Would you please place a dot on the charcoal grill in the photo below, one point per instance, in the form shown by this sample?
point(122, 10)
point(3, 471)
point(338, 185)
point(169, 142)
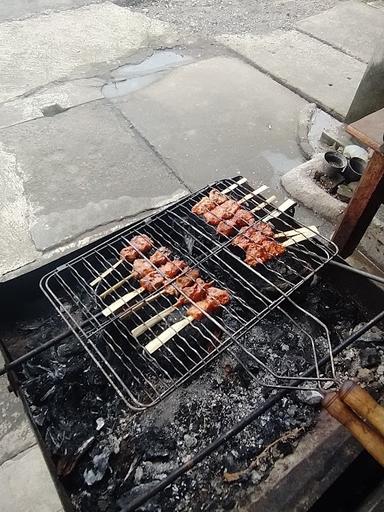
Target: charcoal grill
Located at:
point(142, 379)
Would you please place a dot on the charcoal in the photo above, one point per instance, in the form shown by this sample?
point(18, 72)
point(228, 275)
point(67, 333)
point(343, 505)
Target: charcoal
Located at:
point(370, 357)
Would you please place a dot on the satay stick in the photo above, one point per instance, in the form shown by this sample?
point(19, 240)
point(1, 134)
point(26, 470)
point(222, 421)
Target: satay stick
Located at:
point(234, 185)
point(282, 208)
point(305, 234)
point(251, 194)
point(106, 272)
point(122, 301)
point(116, 286)
point(166, 335)
point(151, 322)
point(263, 204)
point(298, 231)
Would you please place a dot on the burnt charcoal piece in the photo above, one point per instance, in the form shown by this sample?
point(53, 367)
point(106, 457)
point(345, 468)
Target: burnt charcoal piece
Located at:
point(370, 357)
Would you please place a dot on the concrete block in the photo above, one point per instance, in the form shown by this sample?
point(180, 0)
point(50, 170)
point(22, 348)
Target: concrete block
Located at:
point(75, 172)
point(26, 484)
point(37, 51)
point(216, 118)
point(316, 71)
point(353, 27)
point(299, 184)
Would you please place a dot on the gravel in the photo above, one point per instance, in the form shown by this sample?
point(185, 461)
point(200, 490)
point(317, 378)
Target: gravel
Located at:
point(215, 17)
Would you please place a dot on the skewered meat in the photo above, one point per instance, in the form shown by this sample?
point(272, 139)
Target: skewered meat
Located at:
point(210, 304)
point(241, 218)
point(160, 257)
point(263, 252)
point(221, 212)
point(248, 236)
point(138, 243)
point(195, 293)
point(154, 280)
point(265, 228)
point(172, 268)
point(183, 281)
point(209, 203)
point(141, 268)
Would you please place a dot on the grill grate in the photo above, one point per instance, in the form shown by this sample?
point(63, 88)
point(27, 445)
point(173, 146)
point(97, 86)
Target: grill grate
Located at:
point(140, 378)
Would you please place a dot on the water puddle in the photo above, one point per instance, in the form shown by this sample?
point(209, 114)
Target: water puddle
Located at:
point(130, 77)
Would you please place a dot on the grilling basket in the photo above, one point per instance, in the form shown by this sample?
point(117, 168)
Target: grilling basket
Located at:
point(163, 298)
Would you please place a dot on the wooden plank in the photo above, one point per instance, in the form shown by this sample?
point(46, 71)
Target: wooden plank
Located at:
point(369, 130)
point(362, 207)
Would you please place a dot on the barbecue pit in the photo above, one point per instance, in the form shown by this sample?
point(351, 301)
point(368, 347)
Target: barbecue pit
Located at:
point(102, 450)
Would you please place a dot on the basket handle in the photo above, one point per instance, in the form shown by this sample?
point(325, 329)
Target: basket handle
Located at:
point(363, 404)
point(366, 435)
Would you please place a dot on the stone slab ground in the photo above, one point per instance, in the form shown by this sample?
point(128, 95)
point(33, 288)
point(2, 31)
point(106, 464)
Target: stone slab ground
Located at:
point(216, 118)
point(309, 67)
point(351, 27)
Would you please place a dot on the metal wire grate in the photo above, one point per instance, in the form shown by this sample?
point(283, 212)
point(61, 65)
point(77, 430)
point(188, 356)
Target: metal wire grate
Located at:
point(141, 378)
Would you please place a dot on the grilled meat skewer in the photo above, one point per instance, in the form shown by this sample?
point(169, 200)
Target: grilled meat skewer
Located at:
point(138, 243)
point(142, 267)
point(195, 292)
point(214, 300)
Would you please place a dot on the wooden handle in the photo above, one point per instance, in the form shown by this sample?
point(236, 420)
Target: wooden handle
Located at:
point(367, 437)
point(363, 404)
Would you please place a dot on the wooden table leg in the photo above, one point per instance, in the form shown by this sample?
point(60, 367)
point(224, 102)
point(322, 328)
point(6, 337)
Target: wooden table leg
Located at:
point(362, 207)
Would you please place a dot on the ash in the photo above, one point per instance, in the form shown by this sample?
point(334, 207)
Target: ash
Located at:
point(105, 455)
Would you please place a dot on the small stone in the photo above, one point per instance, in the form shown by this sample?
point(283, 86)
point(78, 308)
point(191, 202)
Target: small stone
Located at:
point(369, 357)
point(190, 441)
point(364, 374)
point(344, 193)
point(138, 475)
point(256, 477)
point(309, 397)
point(374, 334)
point(380, 370)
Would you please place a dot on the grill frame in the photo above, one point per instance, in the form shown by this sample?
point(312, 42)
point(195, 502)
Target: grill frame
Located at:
point(90, 329)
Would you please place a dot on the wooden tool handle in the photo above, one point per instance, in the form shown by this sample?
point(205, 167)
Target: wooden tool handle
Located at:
point(363, 404)
point(367, 437)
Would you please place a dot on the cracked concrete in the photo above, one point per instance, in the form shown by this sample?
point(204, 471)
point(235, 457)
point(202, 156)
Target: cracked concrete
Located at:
point(68, 44)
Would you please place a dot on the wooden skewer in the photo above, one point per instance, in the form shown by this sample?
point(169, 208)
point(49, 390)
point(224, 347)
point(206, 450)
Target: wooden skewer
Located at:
point(169, 333)
point(151, 322)
point(106, 273)
point(263, 204)
point(116, 286)
point(122, 301)
point(305, 234)
point(282, 208)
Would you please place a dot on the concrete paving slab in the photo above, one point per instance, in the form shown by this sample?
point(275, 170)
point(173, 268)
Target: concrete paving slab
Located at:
point(50, 99)
point(15, 432)
point(84, 168)
point(16, 9)
point(37, 51)
point(217, 118)
point(316, 71)
point(26, 484)
point(352, 27)
point(16, 246)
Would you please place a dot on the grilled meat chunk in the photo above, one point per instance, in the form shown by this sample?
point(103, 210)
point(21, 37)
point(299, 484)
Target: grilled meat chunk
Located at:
point(215, 298)
point(241, 218)
point(209, 203)
point(138, 243)
point(160, 257)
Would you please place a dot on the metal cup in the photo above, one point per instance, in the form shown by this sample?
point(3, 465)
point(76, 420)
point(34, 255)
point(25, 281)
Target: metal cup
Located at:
point(354, 169)
point(334, 163)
